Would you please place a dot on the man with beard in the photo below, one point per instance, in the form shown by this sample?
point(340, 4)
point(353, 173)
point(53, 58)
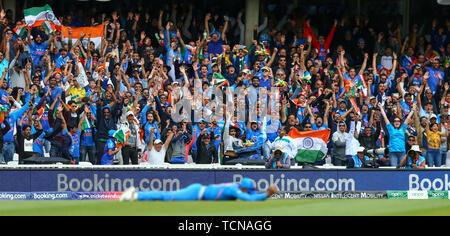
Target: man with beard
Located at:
point(54, 89)
point(38, 47)
point(26, 140)
point(8, 138)
point(217, 40)
point(436, 76)
point(106, 121)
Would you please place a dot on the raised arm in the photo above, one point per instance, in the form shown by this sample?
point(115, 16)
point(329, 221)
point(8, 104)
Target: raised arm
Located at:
point(383, 113)
point(207, 18)
point(374, 63)
point(169, 139)
point(225, 27)
point(410, 115)
point(364, 65)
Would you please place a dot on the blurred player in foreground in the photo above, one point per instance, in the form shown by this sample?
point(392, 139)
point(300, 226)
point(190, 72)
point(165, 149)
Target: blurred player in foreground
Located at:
point(197, 192)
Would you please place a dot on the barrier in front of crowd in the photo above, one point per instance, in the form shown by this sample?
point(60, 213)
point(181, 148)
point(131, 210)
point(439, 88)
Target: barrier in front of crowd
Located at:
point(280, 195)
point(88, 178)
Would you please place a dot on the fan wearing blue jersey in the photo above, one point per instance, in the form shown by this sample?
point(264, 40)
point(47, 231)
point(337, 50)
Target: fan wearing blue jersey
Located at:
point(196, 192)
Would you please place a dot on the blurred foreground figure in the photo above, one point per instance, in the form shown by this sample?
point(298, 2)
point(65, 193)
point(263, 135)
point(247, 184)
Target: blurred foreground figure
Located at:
point(197, 192)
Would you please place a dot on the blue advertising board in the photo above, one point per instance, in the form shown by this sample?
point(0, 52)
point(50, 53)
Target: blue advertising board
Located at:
point(170, 180)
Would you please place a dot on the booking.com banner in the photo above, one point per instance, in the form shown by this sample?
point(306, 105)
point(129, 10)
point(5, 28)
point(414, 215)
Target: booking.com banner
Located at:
point(286, 181)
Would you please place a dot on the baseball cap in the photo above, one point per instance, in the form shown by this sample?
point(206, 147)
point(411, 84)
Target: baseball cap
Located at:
point(360, 149)
point(415, 148)
point(111, 133)
point(280, 148)
point(157, 141)
point(130, 113)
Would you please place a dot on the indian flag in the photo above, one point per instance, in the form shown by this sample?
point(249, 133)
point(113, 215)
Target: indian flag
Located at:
point(311, 145)
point(219, 80)
point(36, 16)
point(121, 136)
point(96, 33)
point(362, 85)
point(2, 113)
point(20, 30)
point(86, 124)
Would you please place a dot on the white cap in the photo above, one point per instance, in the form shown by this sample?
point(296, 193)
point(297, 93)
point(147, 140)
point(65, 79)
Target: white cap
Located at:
point(415, 148)
point(279, 147)
point(360, 149)
point(157, 141)
point(130, 113)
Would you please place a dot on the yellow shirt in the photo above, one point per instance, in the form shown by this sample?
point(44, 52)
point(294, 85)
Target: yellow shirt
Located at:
point(77, 94)
point(434, 139)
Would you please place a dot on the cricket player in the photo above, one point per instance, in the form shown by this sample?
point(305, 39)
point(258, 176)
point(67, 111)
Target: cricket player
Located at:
point(197, 192)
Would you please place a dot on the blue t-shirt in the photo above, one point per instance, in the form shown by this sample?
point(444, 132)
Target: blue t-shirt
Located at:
point(44, 121)
point(418, 162)
point(38, 144)
point(87, 139)
point(267, 83)
point(55, 92)
point(61, 61)
point(434, 79)
point(272, 129)
point(3, 97)
point(230, 192)
point(37, 51)
point(252, 135)
point(323, 127)
point(397, 138)
point(147, 131)
point(106, 158)
point(215, 47)
point(74, 149)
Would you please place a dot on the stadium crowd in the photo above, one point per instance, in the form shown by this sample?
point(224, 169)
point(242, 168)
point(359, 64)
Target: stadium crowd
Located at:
point(373, 86)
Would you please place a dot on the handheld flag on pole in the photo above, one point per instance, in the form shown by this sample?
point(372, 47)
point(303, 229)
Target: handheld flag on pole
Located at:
point(20, 30)
point(36, 16)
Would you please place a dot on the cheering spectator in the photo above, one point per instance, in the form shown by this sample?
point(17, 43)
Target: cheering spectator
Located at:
point(165, 75)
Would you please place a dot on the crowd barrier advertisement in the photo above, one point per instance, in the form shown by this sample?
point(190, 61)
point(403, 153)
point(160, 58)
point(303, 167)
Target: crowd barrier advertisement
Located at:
point(170, 180)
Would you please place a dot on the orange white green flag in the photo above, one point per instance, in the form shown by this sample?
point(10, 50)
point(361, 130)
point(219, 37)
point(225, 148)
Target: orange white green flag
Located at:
point(37, 16)
point(96, 33)
point(311, 145)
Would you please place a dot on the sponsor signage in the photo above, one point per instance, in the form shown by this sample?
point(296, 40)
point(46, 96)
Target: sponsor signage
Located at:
point(331, 195)
point(170, 180)
point(417, 194)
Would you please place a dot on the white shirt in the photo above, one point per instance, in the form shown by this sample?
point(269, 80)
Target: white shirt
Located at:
point(286, 143)
point(386, 61)
point(155, 157)
point(28, 145)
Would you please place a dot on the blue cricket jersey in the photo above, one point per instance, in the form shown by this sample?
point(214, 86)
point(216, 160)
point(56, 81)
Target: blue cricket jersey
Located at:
point(230, 191)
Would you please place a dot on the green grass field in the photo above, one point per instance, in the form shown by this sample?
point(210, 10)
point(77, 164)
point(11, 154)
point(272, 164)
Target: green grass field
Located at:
point(333, 207)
